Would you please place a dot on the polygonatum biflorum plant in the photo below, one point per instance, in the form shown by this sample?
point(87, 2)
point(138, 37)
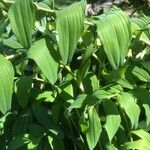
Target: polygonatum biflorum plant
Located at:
point(72, 81)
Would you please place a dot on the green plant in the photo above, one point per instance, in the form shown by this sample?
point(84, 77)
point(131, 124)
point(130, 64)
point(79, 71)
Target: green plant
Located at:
point(68, 81)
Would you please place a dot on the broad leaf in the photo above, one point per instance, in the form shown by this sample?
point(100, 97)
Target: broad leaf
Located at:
point(124, 83)
point(39, 52)
point(127, 102)
point(85, 63)
point(141, 74)
point(21, 15)
point(114, 30)
point(141, 23)
point(45, 119)
point(138, 145)
point(144, 96)
point(113, 118)
point(90, 83)
point(94, 130)
point(143, 143)
point(18, 142)
point(3, 25)
point(6, 84)
point(23, 86)
point(12, 43)
point(78, 102)
point(69, 25)
point(33, 128)
point(21, 123)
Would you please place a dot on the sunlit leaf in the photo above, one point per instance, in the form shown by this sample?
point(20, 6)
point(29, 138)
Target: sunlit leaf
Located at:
point(21, 15)
point(94, 130)
point(6, 84)
point(142, 144)
point(127, 102)
point(12, 43)
point(114, 30)
point(39, 52)
point(69, 25)
point(141, 74)
point(78, 101)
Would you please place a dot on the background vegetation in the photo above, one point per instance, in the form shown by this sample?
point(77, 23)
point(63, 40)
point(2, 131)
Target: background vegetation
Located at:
point(74, 76)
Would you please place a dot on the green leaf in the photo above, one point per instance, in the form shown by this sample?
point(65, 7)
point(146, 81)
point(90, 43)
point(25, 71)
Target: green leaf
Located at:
point(142, 144)
point(94, 130)
point(21, 15)
point(114, 30)
point(44, 118)
point(78, 102)
point(69, 25)
point(146, 65)
point(18, 141)
point(143, 135)
point(141, 23)
point(138, 145)
point(85, 63)
point(43, 6)
point(144, 95)
point(113, 119)
point(3, 24)
point(90, 83)
point(101, 94)
point(23, 86)
point(33, 128)
point(12, 43)
point(21, 124)
point(124, 83)
point(141, 74)
point(6, 84)
point(111, 147)
point(127, 102)
point(46, 96)
point(39, 52)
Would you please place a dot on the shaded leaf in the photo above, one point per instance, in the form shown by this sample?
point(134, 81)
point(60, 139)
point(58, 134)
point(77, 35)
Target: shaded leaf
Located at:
point(85, 63)
point(113, 119)
point(144, 96)
point(23, 86)
point(45, 119)
point(18, 141)
point(33, 128)
point(21, 124)
point(90, 83)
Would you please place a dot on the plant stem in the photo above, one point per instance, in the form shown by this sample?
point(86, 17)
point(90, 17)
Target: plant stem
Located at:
point(78, 132)
point(80, 85)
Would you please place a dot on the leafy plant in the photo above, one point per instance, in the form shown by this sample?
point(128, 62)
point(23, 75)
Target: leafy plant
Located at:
point(71, 81)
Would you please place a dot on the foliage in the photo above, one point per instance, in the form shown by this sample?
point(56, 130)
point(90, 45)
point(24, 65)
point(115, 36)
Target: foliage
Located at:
point(71, 81)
